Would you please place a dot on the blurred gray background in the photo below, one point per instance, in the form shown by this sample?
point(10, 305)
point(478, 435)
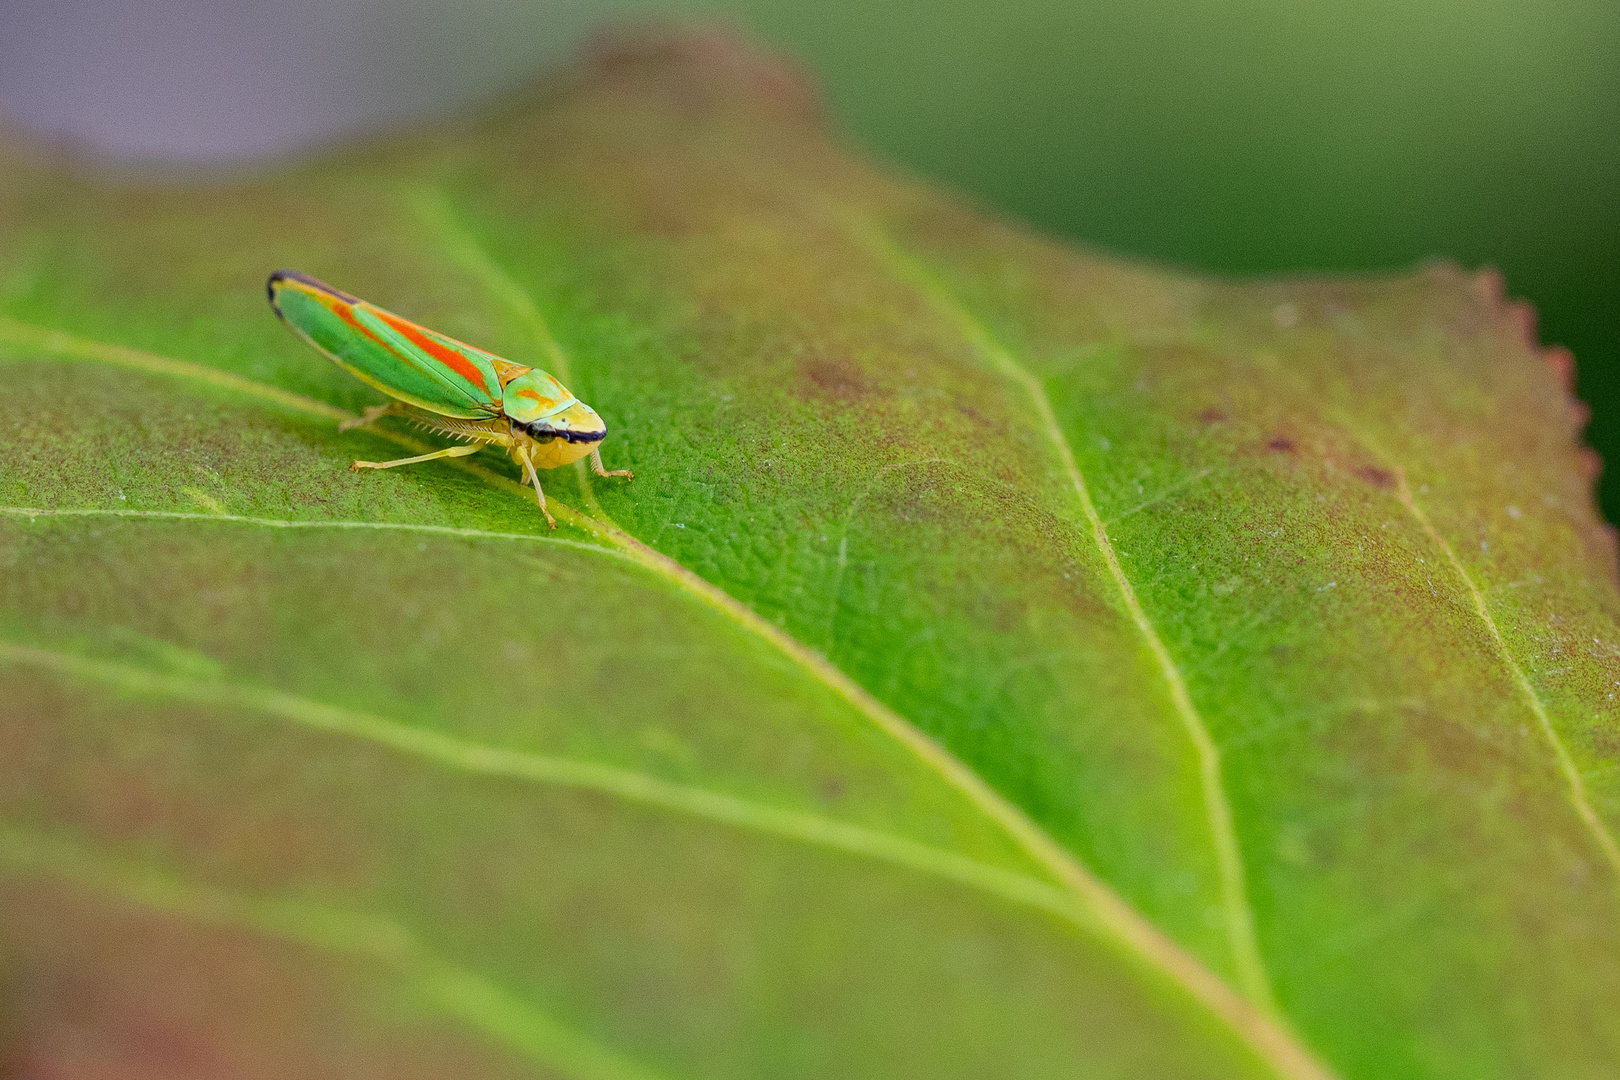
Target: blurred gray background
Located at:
point(211, 80)
point(1251, 136)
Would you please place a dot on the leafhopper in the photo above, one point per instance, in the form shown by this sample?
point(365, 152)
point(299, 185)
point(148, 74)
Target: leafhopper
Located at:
point(443, 385)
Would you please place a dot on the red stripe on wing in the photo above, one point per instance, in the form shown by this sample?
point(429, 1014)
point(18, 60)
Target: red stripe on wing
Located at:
point(343, 308)
point(445, 355)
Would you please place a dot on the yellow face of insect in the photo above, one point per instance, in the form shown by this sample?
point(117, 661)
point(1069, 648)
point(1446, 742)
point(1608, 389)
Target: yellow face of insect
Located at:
point(558, 452)
point(565, 436)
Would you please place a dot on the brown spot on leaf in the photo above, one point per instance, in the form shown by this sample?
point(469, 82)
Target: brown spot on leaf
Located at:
point(1211, 415)
point(1604, 740)
point(836, 379)
point(1282, 444)
point(1376, 476)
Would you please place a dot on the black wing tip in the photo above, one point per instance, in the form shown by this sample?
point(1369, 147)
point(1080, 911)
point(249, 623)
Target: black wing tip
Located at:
point(278, 276)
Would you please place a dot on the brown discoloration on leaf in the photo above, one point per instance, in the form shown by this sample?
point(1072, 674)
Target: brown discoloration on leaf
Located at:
point(836, 379)
point(1377, 475)
point(127, 995)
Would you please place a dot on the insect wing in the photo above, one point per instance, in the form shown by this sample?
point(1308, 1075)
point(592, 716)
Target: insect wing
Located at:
point(398, 357)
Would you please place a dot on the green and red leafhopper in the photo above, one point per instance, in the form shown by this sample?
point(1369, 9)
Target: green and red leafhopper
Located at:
point(442, 384)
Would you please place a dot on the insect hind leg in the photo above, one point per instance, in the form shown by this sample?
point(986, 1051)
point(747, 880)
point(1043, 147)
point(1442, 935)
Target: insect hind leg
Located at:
point(447, 452)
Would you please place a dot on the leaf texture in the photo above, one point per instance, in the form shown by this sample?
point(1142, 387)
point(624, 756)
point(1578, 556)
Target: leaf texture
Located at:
point(1007, 662)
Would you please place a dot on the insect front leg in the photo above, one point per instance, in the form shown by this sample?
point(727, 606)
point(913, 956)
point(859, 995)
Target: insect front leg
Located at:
point(521, 453)
point(447, 452)
point(599, 470)
point(370, 415)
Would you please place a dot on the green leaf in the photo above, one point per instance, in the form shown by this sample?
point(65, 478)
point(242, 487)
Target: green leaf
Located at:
point(1007, 661)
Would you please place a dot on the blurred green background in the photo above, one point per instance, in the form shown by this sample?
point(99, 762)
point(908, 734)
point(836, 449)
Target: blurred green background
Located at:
point(1254, 137)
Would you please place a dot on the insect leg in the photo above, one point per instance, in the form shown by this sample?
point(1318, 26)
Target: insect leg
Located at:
point(449, 451)
point(596, 466)
point(521, 453)
point(370, 415)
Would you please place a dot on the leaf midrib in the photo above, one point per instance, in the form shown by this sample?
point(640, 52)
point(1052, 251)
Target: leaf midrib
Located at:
point(1257, 1019)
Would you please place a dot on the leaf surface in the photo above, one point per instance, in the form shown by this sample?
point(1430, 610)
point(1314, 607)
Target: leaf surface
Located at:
point(1007, 662)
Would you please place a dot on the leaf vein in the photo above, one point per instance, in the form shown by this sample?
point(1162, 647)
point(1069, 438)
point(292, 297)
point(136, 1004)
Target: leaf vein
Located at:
point(1108, 914)
point(1239, 917)
point(628, 785)
point(313, 523)
point(62, 343)
point(470, 997)
point(1575, 785)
